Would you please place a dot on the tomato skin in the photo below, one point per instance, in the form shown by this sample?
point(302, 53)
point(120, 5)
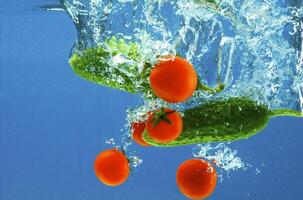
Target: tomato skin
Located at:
point(112, 167)
point(165, 132)
point(173, 81)
point(137, 130)
point(196, 179)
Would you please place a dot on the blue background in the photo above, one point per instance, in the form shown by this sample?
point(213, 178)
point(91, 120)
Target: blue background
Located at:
point(53, 124)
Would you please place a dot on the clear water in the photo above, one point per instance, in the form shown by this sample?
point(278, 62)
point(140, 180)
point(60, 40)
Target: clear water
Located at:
point(53, 124)
point(253, 47)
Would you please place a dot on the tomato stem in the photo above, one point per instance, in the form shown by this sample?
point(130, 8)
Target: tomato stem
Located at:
point(161, 115)
point(212, 90)
point(128, 160)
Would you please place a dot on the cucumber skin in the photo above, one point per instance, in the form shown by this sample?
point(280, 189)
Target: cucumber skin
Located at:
point(220, 121)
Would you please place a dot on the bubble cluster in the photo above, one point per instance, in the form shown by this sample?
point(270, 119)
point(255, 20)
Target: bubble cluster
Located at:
point(221, 155)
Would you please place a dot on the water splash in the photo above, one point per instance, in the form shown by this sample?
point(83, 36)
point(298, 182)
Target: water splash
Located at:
point(111, 141)
point(252, 46)
point(135, 161)
point(221, 155)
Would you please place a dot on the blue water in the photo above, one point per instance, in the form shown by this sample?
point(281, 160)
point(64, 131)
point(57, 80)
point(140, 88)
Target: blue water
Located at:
point(53, 124)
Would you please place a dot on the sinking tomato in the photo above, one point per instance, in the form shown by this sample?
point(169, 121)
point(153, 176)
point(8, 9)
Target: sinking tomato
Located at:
point(173, 80)
point(196, 179)
point(137, 130)
point(164, 125)
point(112, 167)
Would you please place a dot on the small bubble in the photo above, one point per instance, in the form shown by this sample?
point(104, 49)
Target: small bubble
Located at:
point(225, 158)
point(258, 171)
point(110, 141)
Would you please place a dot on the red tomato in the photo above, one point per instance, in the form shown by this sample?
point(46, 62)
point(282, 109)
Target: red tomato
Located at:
point(112, 167)
point(137, 130)
point(173, 81)
point(164, 125)
point(196, 179)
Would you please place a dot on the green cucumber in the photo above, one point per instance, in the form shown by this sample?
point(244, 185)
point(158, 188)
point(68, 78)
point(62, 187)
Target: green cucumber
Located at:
point(93, 65)
point(232, 119)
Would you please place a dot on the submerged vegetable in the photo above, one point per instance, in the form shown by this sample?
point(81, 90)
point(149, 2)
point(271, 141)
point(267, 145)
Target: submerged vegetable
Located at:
point(112, 167)
point(196, 178)
point(222, 120)
point(115, 65)
point(164, 125)
point(173, 80)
